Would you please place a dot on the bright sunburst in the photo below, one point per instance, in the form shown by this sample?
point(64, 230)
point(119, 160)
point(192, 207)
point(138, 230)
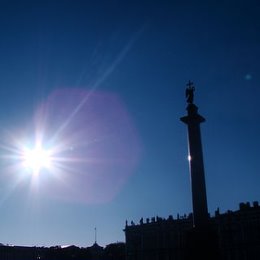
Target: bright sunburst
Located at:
point(37, 158)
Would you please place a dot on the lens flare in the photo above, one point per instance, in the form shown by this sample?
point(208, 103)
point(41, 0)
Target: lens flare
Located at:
point(81, 146)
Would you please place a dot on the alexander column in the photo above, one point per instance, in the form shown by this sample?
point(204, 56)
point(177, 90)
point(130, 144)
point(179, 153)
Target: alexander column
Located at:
point(195, 157)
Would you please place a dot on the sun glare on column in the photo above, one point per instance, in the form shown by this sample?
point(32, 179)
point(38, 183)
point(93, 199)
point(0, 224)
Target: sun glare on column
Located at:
point(36, 159)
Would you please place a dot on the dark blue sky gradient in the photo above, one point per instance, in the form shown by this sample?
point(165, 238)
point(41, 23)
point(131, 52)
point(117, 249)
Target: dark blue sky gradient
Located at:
point(144, 52)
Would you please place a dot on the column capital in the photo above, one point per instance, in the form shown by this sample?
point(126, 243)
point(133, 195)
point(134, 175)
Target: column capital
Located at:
point(193, 117)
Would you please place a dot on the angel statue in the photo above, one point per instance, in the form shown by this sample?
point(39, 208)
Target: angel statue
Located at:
point(190, 92)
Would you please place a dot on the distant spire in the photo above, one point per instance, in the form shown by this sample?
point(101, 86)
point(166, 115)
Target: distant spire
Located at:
point(95, 235)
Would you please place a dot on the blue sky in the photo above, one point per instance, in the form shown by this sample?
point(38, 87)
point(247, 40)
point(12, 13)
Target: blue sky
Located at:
point(130, 62)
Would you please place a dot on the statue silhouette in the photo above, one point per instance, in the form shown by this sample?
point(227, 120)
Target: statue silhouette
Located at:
point(190, 92)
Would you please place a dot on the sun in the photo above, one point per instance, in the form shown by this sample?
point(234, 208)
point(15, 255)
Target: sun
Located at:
point(37, 158)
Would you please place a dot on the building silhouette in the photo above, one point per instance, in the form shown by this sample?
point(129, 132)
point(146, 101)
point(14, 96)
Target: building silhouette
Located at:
point(238, 234)
point(231, 235)
point(114, 251)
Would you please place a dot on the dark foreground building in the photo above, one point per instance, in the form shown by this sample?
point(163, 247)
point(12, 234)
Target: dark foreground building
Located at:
point(238, 234)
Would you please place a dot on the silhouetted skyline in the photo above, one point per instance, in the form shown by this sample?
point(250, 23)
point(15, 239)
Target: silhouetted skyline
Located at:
point(106, 81)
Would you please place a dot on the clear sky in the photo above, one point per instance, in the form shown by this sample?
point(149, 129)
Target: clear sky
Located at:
point(100, 85)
